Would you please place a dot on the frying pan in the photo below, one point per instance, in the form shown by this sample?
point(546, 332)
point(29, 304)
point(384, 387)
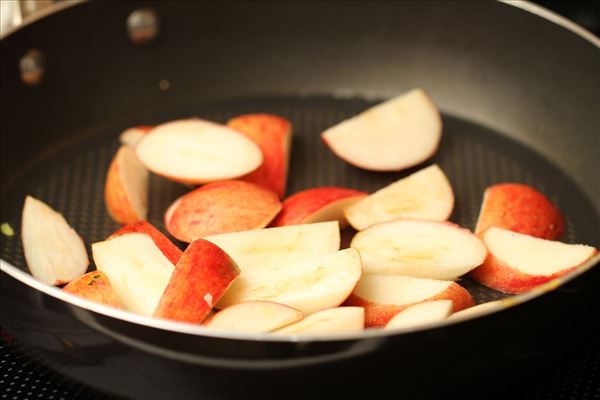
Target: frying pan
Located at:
point(519, 91)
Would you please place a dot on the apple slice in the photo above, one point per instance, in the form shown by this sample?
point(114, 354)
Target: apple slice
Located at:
point(517, 262)
point(384, 296)
point(317, 205)
point(309, 285)
point(126, 188)
point(221, 207)
point(519, 208)
point(172, 252)
point(273, 134)
point(94, 286)
point(195, 151)
point(397, 134)
point(477, 310)
point(54, 252)
point(421, 314)
point(260, 249)
point(426, 195)
point(137, 269)
point(332, 320)
point(203, 274)
point(423, 249)
point(254, 316)
point(132, 136)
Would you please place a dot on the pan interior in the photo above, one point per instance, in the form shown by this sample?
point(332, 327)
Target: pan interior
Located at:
point(71, 177)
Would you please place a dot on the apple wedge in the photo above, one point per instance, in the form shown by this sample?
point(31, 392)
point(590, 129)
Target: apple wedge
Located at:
point(316, 205)
point(221, 207)
point(478, 310)
point(254, 316)
point(396, 134)
point(422, 249)
point(195, 151)
point(54, 252)
point(384, 296)
point(517, 263)
point(126, 188)
point(425, 195)
point(131, 136)
point(203, 274)
point(260, 249)
point(332, 320)
point(519, 208)
point(273, 134)
point(308, 285)
point(421, 314)
point(172, 252)
point(138, 271)
point(94, 286)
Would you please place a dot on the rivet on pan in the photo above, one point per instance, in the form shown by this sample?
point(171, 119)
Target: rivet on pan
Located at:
point(142, 25)
point(32, 67)
point(164, 84)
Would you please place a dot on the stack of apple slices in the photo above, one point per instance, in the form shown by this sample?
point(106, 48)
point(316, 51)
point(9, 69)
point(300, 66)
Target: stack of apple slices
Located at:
point(292, 277)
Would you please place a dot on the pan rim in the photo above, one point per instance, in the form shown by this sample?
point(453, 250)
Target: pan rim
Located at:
point(184, 328)
point(525, 5)
point(199, 330)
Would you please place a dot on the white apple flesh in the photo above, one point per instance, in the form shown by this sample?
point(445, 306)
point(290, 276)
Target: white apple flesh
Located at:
point(422, 249)
point(254, 316)
point(137, 269)
point(332, 320)
point(310, 285)
point(421, 314)
point(426, 195)
point(195, 151)
point(54, 252)
point(397, 134)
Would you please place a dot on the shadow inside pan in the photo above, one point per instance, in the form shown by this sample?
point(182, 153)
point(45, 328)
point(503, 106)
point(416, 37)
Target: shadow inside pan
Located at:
point(71, 178)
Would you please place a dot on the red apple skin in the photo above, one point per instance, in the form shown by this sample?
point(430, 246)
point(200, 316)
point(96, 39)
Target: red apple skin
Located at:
point(522, 209)
point(203, 274)
point(297, 208)
point(221, 207)
point(497, 275)
point(117, 200)
point(273, 135)
point(378, 315)
point(172, 252)
point(94, 286)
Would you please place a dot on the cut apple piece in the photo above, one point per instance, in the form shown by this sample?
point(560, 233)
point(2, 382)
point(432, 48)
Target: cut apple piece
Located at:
point(384, 296)
point(54, 252)
point(94, 286)
point(423, 249)
point(126, 188)
point(273, 134)
point(478, 310)
point(131, 136)
point(332, 320)
point(172, 252)
point(517, 262)
point(137, 269)
point(425, 195)
point(254, 316)
point(316, 205)
point(203, 274)
point(309, 285)
point(260, 249)
point(195, 151)
point(221, 207)
point(397, 134)
point(519, 208)
point(420, 314)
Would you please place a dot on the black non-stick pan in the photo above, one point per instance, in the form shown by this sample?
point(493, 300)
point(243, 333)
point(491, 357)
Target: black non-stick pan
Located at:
point(519, 89)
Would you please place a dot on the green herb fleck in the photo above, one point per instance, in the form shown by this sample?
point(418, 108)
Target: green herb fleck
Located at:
point(7, 229)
